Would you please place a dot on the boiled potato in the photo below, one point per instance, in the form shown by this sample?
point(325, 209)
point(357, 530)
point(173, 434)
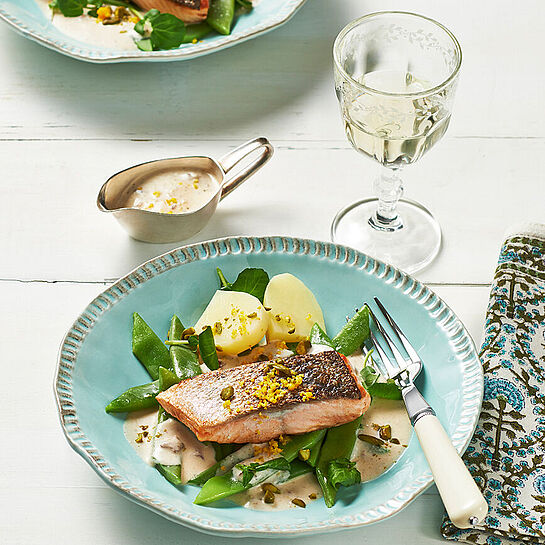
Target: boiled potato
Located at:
point(293, 309)
point(238, 321)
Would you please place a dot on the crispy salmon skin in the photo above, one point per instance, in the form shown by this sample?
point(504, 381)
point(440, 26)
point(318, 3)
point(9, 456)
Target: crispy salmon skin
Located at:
point(264, 400)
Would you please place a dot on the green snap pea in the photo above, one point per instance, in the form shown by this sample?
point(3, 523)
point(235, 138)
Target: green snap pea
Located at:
point(220, 15)
point(135, 399)
point(148, 347)
point(351, 337)
point(196, 32)
point(184, 362)
point(339, 443)
point(167, 378)
point(319, 336)
point(315, 452)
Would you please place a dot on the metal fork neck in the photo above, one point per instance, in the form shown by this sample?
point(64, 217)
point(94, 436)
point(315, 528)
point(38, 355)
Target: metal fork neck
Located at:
point(417, 407)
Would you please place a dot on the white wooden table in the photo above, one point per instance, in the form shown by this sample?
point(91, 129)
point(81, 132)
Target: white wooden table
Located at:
point(65, 126)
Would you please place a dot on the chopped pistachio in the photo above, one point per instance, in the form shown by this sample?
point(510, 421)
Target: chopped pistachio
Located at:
point(298, 502)
point(227, 393)
point(303, 347)
point(269, 487)
point(377, 442)
point(385, 432)
point(268, 497)
point(304, 454)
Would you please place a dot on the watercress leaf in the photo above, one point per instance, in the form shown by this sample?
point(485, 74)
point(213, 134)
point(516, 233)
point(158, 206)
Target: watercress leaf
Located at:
point(249, 470)
point(71, 8)
point(207, 349)
point(167, 31)
point(252, 281)
point(144, 44)
point(342, 472)
point(54, 5)
point(151, 14)
point(319, 336)
point(368, 377)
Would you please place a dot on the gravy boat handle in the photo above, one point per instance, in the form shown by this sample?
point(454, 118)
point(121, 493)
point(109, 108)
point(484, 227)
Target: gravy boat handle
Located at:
point(231, 160)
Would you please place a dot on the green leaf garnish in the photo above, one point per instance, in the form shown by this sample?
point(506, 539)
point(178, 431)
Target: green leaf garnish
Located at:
point(252, 281)
point(342, 472)
point(369, 377)
point(249, 470)
point(70, 8)
point(319, 336)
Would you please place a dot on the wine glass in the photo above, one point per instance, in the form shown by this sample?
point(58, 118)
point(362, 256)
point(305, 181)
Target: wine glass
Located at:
point(395, 78)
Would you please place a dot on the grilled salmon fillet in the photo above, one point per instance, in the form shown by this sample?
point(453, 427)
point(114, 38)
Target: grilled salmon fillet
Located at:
point(260, 401)
point(189, 11)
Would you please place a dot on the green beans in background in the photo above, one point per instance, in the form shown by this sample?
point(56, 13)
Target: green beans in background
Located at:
point(220, 15)
point(339, 443)
point(196, 32)
point(222, 486)
point(135, 399)
point(148, 347)
point(351, 337)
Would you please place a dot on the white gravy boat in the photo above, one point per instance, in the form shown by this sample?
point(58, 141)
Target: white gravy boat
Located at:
point(151, 226)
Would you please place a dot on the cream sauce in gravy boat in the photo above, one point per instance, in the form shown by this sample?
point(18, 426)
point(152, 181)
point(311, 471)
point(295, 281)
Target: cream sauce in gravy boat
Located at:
point(152, 226)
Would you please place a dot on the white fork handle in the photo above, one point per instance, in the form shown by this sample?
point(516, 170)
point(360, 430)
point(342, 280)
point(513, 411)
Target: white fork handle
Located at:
point(462, 498)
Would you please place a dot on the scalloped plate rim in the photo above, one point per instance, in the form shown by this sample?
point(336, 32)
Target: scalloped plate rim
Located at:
point(423, 481)
point(90, 53)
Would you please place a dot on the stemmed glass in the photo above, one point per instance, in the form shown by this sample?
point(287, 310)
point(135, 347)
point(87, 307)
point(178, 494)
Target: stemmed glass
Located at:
point(395, 78)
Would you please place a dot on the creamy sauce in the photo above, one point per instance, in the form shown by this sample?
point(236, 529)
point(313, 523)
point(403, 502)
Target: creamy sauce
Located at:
point(173, 191)
point(174, 444)
point(139, 427)
point(372, 461)
point(89, 30)
point(305, 488)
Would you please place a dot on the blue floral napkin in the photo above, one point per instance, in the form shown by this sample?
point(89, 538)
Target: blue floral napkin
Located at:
point(506, 454)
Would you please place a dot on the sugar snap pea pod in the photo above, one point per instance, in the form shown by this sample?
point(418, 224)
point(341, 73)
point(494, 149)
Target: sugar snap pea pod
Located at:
point(135, 399)
point(319, 336)
point(184, 362)
point(298, 468)
point(196, 32)
point(167, 378)
point(220, 15)
point(339, 443)
point(315, 452)
point(148, 347)
point(351, 337)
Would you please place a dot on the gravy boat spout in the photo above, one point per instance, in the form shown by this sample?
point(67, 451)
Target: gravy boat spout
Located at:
point(119, 193)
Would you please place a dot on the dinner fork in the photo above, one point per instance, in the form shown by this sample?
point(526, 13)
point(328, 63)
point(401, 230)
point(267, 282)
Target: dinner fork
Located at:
point(462, 498)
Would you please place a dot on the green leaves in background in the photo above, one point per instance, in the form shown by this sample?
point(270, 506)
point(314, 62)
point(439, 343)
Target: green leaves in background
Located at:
point(252, 281)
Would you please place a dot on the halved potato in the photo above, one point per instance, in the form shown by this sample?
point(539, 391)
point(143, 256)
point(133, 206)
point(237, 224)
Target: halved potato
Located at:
point(238, 321)
point(294, 309)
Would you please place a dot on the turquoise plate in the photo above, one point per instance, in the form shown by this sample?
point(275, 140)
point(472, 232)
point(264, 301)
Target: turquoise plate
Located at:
point(95, 364)
point(27, 18)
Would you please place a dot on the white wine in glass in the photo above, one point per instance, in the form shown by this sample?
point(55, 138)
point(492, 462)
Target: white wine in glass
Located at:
point(395, 77)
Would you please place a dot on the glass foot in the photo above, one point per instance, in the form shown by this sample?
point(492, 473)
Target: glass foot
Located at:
point(409, 248)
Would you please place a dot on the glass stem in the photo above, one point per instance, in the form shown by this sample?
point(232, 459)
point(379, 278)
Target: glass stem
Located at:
point(389, 188)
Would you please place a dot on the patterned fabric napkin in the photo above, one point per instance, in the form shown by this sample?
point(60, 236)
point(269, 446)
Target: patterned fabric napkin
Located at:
point(506, 454)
